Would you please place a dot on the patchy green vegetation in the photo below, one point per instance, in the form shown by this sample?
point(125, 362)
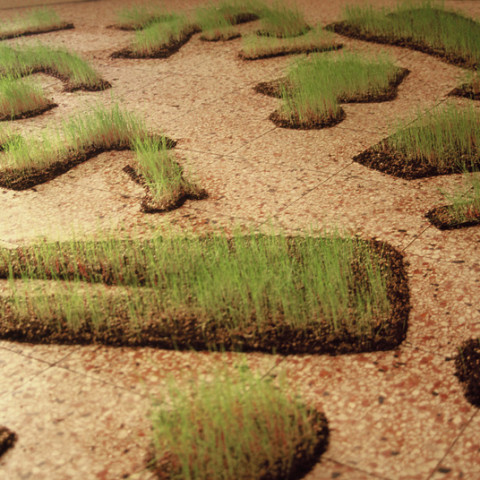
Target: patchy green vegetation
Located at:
point(314, 87)
point(282, 21)
point(259, 46)
point(197, 437)
point(34, 21)
point(137, 17)
point(69, 67)
point(463, 208)
point(21, 98)
point(262, 292)
point(427, 26)
point(26, 162)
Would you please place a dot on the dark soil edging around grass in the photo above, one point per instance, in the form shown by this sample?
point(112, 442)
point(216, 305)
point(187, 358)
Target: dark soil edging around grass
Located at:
point(29, 113)
point(441, 218)
point(7, 439)
point(467, 364)
point(266, 33)
point(38, 31)
point(383, 158)
point(221, 38)
point(273, 89)
point(467, 91)
point(302, 460)
point(163, 51)
point(150, 205)
point(276, 336)
point(281, 52)
point(15, 180)
point(343, 28)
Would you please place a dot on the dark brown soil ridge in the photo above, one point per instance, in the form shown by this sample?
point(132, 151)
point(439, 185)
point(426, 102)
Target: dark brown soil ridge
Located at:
point(441, 218)
point(282, 52)
point(29, 113)
point(467, 364)
point(15, 180)
point(466, 90)
point(302, 460)
point(37, 31)
point(150, 205)
point(163, 51)
point(266, 33)
point(221, 38)
point(274, 89)
point(187, 332)
point(383, 158)
point(347, 30)
point(7, 439)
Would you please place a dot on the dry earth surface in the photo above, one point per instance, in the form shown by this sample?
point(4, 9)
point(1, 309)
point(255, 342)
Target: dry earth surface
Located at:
point(81, 412)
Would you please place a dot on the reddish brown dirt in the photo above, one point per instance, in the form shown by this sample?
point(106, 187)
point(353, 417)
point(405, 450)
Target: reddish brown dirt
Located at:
point(467, 364)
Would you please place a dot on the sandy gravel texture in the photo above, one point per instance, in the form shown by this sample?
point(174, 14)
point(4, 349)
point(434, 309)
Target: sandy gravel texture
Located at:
point(81, 412)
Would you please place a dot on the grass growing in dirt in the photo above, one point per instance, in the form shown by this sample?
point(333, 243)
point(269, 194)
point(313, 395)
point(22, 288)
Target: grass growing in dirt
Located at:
point(137, 17)
point(69, 67)
point(21, 97)
point(210, 290)
point(315, 86)
point(259, 46)
point(281, 20)
point(236, 426)
point(446, 139)
point(427, 26)
point(35, 21)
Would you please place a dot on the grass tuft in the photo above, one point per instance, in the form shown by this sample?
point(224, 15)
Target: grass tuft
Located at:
point(198, 436)
point(280, 20)
point(137, 17)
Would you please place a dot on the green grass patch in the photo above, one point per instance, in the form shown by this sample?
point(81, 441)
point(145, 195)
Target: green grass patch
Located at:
point(258, 292)
point(137, 17)
point(21, 98)
point(427, 26)
point(315, 86)
point(463, 209)
point(315, 40)
point(280, 20)
point(35, 21)
point(236, 425)
point(60, 63)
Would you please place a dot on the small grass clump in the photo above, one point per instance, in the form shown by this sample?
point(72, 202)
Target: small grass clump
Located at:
point(254, 292)
point(21, 98)
point(280, 20)
point(238, 426)
point(137, 17)
point(427, 26)
point(60, 63)
point(315, 86)
point(36, 21)
point(315, 40)
point(464, 206)
point(163, 176)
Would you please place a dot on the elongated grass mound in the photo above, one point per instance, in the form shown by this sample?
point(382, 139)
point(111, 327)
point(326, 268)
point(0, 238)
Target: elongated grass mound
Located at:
point(36, 21)
point(315, 40)
point(7, 439)
point(427, 27)
point(315, 86)
point(298, 294)
point(440, 142)
point(463, 209)
point(21, 98)
point(240, 426)
point(280, 20)
point(60, 63)
point(467, 364)
point(159, 172)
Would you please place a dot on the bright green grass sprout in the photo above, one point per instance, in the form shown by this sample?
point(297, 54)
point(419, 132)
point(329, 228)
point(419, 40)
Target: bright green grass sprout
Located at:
point(315, 85)
point(464, 205)
point(446, 138)
point(259, 46)
point(235, 425)
point(248, 280)
point(280, 20)
point(426, 23)
point(23, 60)
point(19, 96)
point(159, 35)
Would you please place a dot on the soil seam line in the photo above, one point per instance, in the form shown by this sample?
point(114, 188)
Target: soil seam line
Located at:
point(343, 464)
